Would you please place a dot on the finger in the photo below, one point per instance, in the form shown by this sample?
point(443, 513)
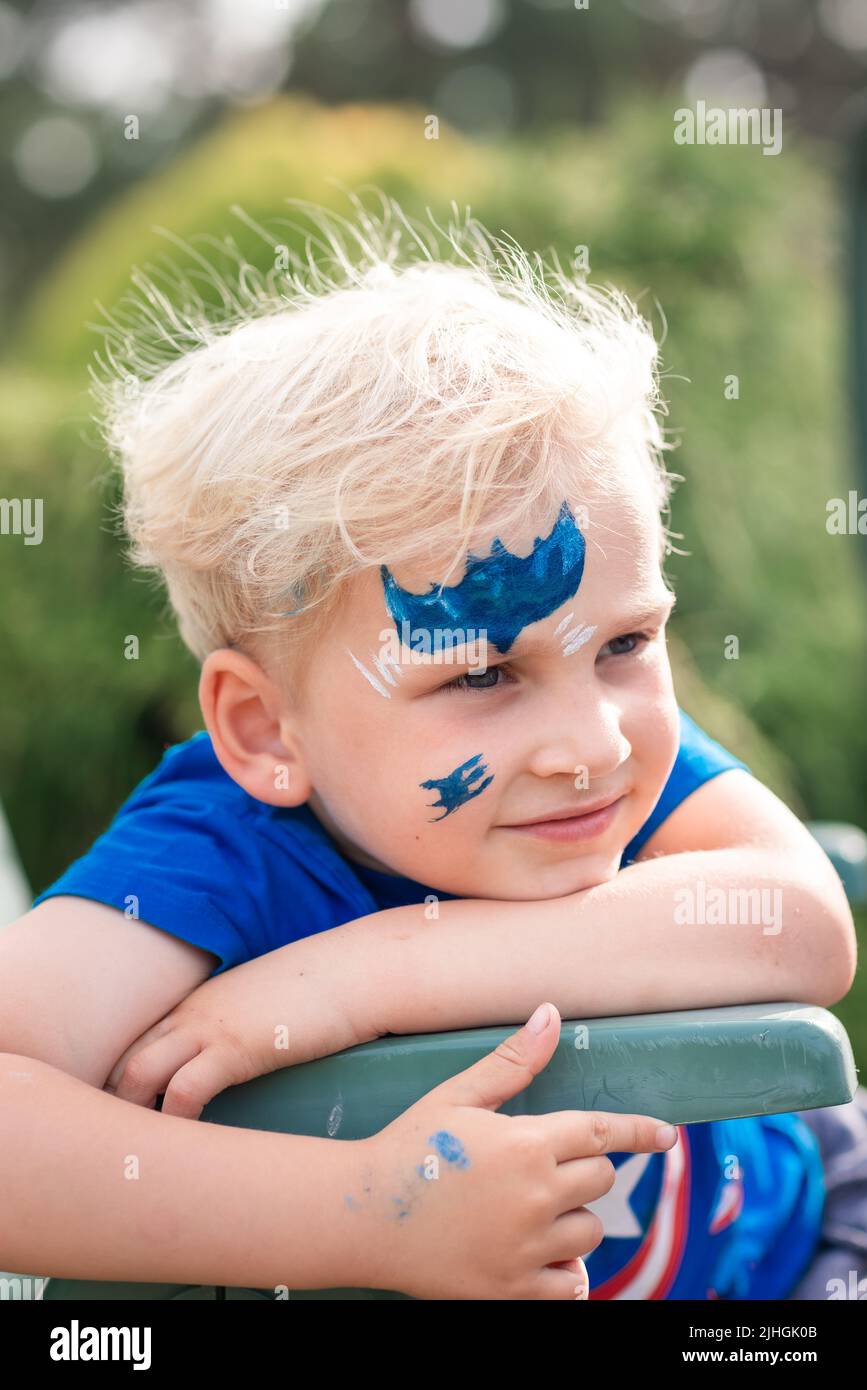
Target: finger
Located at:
point(118, 1069)
point(147, 1072)
point(200, 1080)
point(578, 1269)
point(583, 1180)
point(510, 1068)
point(582, 1133)
point(141, 1042)
point(572, 1234)
point(562, 1284)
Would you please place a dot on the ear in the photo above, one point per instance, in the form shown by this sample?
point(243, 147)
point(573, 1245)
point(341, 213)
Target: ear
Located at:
point(255, 738)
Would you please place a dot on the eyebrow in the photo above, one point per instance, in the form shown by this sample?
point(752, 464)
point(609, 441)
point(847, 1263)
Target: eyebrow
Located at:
point(655, 611)
point(651, 613)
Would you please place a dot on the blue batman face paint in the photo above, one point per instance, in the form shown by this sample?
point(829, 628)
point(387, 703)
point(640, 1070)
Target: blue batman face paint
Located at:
point(460, 786)
point(500, 593)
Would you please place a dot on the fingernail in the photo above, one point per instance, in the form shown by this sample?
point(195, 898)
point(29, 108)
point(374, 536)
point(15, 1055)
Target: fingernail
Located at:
point(538, 1022)
point(665, 1136)
point(582, 1291)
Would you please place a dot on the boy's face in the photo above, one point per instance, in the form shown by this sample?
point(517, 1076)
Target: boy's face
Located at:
point(423, 766)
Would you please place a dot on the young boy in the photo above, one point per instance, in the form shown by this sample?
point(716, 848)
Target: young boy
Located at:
point(409, 521)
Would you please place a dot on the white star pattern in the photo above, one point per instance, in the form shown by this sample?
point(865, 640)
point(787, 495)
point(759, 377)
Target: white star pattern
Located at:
point(613, 1209)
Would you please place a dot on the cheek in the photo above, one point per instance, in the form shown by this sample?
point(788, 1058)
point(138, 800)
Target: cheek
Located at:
point(353, 740)
point(656, 737)
point(466, 757)
point(455, 788)
point(652, 726)
point(655, 685)
point(411, 766)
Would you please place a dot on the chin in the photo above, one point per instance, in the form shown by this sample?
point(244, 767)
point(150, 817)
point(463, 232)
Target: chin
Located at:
point(495, 880)
point(596, 869)
point(572, 876)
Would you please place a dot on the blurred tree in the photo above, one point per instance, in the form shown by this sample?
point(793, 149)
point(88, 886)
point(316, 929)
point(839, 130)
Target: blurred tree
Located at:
point(488, 67)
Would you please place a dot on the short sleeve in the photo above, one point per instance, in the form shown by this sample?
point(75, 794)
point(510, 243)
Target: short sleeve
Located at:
point(191, 853)
point(699, 758)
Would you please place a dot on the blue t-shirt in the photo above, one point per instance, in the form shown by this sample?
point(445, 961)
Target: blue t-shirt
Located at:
point(733, 1211)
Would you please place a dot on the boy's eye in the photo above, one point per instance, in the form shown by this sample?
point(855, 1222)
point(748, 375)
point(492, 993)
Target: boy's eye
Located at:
point(495, 676)
point(624, 646)
point(486, 680)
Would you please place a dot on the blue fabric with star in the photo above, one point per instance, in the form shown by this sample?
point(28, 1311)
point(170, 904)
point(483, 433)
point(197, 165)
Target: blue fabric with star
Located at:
point(733, 1212)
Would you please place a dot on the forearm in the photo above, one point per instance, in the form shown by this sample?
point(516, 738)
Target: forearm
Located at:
point(627, 946)
point(96, 1188)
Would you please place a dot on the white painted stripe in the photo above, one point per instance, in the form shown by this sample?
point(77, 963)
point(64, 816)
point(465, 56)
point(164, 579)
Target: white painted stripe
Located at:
point(381, 668)
point(377, 685)
point(576, 638)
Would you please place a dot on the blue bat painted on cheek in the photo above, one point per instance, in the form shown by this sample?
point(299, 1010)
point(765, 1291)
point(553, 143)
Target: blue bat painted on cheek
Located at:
point(500, 594)
point(456, 788)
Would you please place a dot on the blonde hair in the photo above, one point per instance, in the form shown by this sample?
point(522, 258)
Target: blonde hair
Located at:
point(375, 399)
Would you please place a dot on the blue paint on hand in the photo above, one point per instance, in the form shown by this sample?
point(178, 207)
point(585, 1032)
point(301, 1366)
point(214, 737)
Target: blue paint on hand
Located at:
point(403, 1208)
point(500, 594)
point(456, 789)
point(449, 1147)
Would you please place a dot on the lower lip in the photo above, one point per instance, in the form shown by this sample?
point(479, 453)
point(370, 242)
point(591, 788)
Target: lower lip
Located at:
point(573, 828)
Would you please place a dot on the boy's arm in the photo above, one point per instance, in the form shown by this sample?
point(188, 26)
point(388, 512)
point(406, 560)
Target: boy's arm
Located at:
point(627, 946)
point(95, 1188)
point(79, 981)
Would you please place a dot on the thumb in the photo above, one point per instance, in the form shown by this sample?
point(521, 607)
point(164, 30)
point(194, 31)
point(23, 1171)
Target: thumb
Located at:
point(510, 1067)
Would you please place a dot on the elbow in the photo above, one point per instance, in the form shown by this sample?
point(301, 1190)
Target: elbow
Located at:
point(835, 983)
point(824, 954)
point(841, 972)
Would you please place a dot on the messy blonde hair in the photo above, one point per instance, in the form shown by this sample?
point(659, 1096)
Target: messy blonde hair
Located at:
point(374, 399)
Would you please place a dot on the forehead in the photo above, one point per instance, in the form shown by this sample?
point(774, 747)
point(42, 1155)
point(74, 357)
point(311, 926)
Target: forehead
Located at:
point(601, 550)
point(617, 519)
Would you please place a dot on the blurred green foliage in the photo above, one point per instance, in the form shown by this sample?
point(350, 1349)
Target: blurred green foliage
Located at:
point(740, 250)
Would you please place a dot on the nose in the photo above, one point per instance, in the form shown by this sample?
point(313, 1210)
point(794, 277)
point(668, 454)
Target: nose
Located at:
point(582, 737)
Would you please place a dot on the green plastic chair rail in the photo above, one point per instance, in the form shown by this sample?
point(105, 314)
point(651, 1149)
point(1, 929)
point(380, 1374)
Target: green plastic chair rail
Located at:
point(687, 1067)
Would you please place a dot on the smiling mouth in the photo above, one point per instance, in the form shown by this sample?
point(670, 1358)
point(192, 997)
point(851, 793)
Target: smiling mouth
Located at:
point(568, 825)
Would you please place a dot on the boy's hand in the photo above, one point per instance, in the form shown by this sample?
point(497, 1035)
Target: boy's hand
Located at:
point(246, 1022)
point(456, 1201)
